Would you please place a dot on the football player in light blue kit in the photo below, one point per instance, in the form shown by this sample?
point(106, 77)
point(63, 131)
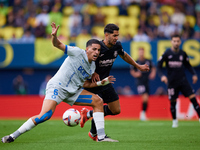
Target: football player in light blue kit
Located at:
point(66, 85)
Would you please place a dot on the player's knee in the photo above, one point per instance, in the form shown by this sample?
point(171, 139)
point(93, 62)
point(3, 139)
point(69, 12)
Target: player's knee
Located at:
point(116, 111)
point(98, 101)
point(43, 118)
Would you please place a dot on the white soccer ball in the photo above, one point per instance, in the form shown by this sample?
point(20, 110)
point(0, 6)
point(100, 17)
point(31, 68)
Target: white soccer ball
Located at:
point(71, 117)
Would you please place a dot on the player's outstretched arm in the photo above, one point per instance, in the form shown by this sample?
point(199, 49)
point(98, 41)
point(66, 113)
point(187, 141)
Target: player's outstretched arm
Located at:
point(130, 60)
point(90, 84)
point(55, 41)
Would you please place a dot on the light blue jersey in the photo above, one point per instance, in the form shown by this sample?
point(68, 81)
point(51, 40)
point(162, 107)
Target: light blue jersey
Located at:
point(66, 85)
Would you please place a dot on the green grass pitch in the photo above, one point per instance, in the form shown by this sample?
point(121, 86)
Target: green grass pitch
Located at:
point(132, 135)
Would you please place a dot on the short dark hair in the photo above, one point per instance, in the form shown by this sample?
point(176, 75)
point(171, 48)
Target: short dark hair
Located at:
point(109, 28)
point(175, 36)
point(92, 41)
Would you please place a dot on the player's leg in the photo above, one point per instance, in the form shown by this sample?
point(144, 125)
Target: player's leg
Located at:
point(110, 97)
point(173, 95)
point(187, 91)
point(47, 110)
point(145, 97)
point(87, 98)
point(143, 90)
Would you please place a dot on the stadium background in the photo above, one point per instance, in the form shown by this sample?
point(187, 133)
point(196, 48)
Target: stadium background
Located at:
point(26, 49)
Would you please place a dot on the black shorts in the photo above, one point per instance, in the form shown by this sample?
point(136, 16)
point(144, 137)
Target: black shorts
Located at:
point(107, 93)
point(183, 87)
point(143, 88)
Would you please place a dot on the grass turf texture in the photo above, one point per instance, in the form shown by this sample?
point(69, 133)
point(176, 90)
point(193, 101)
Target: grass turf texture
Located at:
point(132, 135)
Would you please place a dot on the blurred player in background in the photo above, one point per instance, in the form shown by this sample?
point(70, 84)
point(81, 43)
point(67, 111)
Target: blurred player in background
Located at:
point(176, 59)
point(110, 49)
point(142, 80)
point(66, 85)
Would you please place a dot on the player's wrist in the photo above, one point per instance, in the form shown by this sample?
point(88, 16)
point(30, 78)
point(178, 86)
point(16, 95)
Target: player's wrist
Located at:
point(99, 83)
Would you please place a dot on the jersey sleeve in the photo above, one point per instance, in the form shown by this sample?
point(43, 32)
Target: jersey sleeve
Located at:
point(160, 63)
point(121, 51)
point(72, 50)
point(187, 64)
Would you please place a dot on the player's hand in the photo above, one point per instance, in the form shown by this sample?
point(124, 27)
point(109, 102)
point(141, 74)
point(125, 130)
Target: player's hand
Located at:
point(144, 67)
point(164, 79)
point(194, 79)
point(54, 29)
point(111, 79)
point(95, 77)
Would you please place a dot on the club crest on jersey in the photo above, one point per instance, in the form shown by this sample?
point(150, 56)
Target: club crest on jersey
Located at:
point(170, 56)
point(115, 54)
point(180, 57)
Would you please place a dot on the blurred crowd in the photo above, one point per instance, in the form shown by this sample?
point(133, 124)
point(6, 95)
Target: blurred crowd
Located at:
point(139, 20)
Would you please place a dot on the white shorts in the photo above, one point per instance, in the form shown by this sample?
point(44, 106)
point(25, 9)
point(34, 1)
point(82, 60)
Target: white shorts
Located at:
point(58, 94)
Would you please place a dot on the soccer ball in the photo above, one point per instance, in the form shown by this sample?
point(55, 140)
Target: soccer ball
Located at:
point(71, 117)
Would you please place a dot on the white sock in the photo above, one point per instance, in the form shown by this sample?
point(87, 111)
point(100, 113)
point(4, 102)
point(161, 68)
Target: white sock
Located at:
point(99, 123)
point(28, 125)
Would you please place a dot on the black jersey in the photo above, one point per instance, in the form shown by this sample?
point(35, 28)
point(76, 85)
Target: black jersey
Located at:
point(106, 59)
point(175, 64)
point(145, 74)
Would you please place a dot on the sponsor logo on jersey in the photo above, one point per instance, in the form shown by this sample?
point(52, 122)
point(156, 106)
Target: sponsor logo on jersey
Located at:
point(175, 64)
point(108, 62)
point(83, 72)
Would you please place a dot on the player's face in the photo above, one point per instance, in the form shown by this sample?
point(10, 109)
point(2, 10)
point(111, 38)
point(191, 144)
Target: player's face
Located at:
point(176, 42)
point(141, 52)
point(93, 52)
point(113, 37)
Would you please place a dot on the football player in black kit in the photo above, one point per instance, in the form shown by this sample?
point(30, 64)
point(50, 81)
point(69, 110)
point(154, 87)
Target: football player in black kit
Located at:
point(142, 80)
point(176, 59)
point(110, 49)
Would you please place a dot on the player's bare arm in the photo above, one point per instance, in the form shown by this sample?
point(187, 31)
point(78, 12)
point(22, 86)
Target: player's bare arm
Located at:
point(194, 79)
point(90, 84)
point(130, 60)
point(164, 79)
point(55, 41)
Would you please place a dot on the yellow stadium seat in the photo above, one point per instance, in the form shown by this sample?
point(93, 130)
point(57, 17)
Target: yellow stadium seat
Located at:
point(156, 20)
point(132, 31)
point(122, 21)
point(110, 11)
point(133, 21)
point(68, 10)
point(168, 9)
point(8, 32)
point(65, 31)
point(191, 20)
point(18, 32)
point(2, 20)
point(98, 30)
point(111, 20)
point(81, 39)
point(65, 22)
point(133, 10)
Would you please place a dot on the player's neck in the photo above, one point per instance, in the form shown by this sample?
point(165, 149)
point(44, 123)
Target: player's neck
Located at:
point(175, 49)
point(107, 43)
point(141, 58)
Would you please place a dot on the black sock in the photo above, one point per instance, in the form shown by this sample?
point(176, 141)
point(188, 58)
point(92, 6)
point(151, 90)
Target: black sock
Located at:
point(144, 106)
point(107, 110)
point(173, 109)
point(195, 105)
